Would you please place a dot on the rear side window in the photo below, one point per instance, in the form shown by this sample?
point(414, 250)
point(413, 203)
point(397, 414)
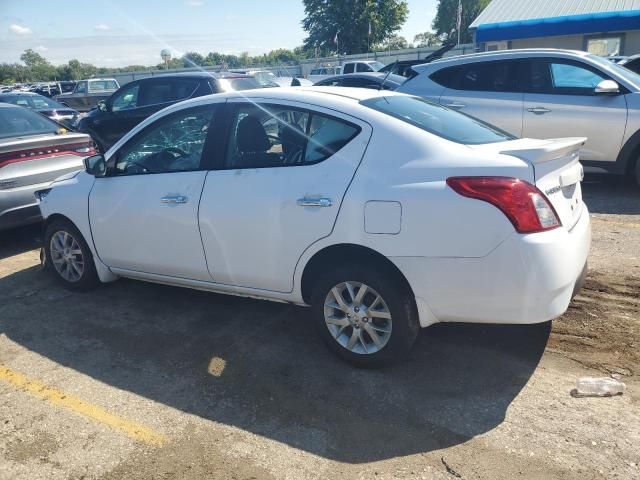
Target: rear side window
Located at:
point(237, 84)
point(501, 76)
point(16, 122)
point(348, 68)
point(437, 119)
point(102, 85)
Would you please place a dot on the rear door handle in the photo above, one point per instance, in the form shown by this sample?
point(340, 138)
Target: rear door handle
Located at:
point(455, 105)
point(174, 199)
point(314, 202)
point(538, 110)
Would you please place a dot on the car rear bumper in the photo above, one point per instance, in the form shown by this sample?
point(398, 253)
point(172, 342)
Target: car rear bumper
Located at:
point(526, 279)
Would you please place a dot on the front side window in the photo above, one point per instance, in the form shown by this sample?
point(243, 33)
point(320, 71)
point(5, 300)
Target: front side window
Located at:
point(126, 99)
point(437, 119)
point(81, 87)
point(265, 136)
point(563, 77)
point(174, 144)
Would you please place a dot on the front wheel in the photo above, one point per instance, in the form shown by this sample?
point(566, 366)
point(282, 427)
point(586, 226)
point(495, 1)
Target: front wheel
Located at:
point(365, 315)
point(68, 256)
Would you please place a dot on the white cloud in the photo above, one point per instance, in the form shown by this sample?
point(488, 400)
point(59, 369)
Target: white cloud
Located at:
point(102, 28)
point(20, 30)
point(195, 3)
point(41, 48)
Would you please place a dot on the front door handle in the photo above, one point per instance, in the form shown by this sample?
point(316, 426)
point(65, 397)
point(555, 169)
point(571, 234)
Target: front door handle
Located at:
point(455, 105)
point(174, 199)
point(314, 202)
point(538, 110)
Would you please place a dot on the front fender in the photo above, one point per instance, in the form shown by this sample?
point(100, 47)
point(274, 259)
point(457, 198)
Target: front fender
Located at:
point(69, 198)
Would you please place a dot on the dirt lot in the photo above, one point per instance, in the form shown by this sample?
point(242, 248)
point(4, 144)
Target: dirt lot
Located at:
point(143, 381)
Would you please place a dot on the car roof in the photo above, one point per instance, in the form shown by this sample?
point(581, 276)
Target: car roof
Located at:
point(502, 55)
point(200, 74)
point(377, 75)
point(19, 93)
point(98, 79)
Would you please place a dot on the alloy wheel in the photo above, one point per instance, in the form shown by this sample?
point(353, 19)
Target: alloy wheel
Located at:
point(66, 256)
point(357, 317)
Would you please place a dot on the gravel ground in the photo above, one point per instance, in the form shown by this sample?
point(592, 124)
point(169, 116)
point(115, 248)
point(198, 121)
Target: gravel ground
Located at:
point(145, 381)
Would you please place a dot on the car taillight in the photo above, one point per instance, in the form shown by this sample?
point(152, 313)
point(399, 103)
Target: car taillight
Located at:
point(523, 204)
point(84, 149)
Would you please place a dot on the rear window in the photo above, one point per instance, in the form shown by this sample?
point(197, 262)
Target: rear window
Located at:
point(436, 119)
point(31, 101)
point(102, 85)
point(236, 84)
point(18, 122)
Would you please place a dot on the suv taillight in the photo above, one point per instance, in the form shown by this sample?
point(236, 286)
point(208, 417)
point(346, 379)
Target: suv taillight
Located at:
point(523, 204)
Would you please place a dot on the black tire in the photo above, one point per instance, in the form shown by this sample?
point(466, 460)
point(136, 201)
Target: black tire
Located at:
point(397, 297)
point(637, 172)
point(88, 279)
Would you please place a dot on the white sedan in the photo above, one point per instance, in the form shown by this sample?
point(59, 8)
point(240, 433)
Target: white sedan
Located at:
point(383, 212)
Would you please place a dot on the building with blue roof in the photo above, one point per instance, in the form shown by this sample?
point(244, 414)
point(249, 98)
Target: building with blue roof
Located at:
point(602, 27)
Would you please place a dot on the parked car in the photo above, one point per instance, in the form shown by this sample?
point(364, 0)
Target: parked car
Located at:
point(320, 73)
point(404, 67)
point(374, 80)
point(543, 93)
point(87, 93)
point(632, 63)
point(362, 66)
point(33, 152)
point(379, 210)
point(139, 99)
point(43, 105)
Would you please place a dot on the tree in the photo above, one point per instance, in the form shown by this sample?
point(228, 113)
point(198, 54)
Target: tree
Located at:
point(426, 39)
point(394, 42)
point(192, 59)
point(352, 20)
point(447, 14)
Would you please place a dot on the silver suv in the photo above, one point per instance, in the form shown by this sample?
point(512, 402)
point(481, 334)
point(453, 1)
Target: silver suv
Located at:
point(545, 93)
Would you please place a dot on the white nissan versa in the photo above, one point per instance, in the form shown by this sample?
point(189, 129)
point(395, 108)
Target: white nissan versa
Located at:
point(383, 212)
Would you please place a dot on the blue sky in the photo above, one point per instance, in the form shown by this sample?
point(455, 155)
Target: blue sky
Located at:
point(122, 32)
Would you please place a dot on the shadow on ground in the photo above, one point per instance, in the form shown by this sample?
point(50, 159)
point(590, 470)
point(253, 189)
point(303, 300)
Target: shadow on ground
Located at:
point(279, 380)
point(611, 194)
point(19, 240)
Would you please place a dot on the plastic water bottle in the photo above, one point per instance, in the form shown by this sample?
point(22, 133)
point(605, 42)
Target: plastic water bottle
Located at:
point(599, 387)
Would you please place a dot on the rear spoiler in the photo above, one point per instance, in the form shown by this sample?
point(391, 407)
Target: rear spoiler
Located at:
point(550, 150)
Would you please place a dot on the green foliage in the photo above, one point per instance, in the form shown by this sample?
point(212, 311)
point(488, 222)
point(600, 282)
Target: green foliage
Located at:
point(394, 42)
point(351, 20)
point(445, 22)
point(427, 39)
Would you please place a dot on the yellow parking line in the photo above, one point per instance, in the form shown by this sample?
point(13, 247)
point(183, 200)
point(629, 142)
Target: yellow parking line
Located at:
point(612, 222)
point(75, 404)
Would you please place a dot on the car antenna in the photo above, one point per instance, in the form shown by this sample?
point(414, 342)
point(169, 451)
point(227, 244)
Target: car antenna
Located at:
point(387, 75)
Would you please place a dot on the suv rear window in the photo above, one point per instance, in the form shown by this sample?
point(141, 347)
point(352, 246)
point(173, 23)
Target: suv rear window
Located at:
point(236, 84)
point(438, 120)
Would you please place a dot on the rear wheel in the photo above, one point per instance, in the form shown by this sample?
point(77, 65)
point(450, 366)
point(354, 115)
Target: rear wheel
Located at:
point(68, 256)
point(637, 172)
point(365, 315)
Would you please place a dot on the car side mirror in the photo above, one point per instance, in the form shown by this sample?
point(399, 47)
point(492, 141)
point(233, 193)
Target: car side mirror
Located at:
point(95, 165)
point(607, 87)
point(102, 106)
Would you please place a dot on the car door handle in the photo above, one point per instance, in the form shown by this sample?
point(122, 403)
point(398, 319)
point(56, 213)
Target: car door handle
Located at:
point(314, 202)
point(538, 110)
point(455, 105)
point(174, 199)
